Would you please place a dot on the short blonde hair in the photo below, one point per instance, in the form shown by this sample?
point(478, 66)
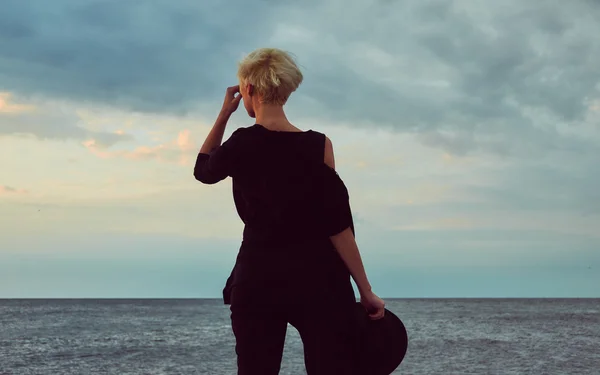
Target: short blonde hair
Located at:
point(273, 73)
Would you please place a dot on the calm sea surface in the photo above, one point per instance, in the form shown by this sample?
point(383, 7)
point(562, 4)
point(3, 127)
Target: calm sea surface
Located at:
point(523, 336)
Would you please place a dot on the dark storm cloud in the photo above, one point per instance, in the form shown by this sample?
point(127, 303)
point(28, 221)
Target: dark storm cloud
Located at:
point(503, 67)
point(150, 56)
point(467, 76)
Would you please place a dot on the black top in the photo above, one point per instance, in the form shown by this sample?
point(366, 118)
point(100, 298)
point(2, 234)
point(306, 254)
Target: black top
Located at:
point(278, 183)
point(289, 200)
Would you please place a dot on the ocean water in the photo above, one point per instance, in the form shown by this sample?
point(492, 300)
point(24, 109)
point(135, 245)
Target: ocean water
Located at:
point(470, 336)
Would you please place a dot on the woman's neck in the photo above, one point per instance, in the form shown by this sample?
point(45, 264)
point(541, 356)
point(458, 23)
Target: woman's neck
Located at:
point(272, 117)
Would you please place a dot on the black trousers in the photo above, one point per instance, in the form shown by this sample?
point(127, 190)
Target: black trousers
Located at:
point(321, 313)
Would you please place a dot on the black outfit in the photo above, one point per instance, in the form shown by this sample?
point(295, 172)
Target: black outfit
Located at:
point(287, 270)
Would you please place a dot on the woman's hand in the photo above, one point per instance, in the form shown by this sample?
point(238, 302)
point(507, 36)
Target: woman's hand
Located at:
point(231, 101)
point(373, 304)
point(230, 104)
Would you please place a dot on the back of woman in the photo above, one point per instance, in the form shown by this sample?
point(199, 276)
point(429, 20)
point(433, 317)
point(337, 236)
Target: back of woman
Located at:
point(275, 183)
point(287, 270)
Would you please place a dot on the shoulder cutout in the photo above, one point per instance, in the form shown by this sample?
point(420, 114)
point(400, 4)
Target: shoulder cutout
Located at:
point(329, 158)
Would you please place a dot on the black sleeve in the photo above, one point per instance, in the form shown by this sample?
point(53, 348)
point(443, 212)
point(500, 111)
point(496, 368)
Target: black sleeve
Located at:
point(218, 165)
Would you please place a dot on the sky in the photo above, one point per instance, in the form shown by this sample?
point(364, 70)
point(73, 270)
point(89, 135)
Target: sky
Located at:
point(468, 135)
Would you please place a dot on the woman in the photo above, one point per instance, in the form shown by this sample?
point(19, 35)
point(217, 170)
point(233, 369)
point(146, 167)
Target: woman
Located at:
point(298, 249)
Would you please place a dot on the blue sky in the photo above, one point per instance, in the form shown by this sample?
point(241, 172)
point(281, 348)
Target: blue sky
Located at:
point(468, 135)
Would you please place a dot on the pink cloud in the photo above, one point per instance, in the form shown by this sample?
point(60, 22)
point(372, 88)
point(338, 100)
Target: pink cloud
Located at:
point(175, 151)
point(8, 190)
point(184, 142)
point(7, 106)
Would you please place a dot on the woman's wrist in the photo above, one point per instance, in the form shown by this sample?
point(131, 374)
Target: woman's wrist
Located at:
point(364, 290)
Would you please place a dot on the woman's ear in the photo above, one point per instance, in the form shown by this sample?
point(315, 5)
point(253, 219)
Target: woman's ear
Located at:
point(250, 89)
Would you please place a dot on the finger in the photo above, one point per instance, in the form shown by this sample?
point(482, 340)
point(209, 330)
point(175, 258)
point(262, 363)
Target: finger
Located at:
point(233, 89)
point(237, 98)
point(378, 315)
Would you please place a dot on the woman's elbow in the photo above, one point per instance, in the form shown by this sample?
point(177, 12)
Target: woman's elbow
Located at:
point(207, 173)
point(205, 178)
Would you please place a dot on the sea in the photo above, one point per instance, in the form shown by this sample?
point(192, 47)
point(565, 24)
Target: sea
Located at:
point(193, 336)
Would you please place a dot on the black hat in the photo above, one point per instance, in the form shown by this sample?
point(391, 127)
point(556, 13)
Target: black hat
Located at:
point(382, 342)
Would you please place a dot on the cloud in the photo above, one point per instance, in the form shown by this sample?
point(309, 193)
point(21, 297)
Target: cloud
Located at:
point(467, 133)
point(174, 151)
point(155, 57)
point(7, 107)
point(9, 190)
point(49, 120)
point(515, 81)
point(470, 78)
point(459, 74)
point(574, 187)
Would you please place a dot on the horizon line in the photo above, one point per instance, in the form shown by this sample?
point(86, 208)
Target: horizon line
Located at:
point(220, 298)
